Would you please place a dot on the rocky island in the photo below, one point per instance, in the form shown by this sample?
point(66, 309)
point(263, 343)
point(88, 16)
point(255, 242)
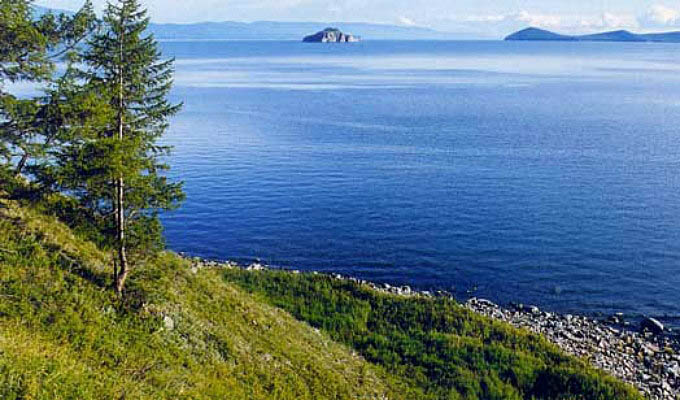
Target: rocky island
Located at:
point(331, 35)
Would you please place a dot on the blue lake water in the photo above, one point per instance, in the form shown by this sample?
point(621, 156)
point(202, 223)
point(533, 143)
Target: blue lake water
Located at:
point(542, 173)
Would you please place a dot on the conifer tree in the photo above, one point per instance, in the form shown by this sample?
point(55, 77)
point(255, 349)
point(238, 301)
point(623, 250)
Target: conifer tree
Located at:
point(119, 170)
point(28, 48)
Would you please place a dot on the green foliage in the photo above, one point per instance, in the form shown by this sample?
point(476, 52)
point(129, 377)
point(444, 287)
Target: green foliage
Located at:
point(23, 43)
point(19, 129)
point(435, 344)
point(112, 109)
point(98, 166)
point(125, 70)
point(63, 335)
point(93, 136)
point(28, 48)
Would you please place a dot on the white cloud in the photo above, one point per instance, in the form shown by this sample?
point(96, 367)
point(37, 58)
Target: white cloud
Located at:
point(539, 20)
point(606, 20)
point(485, 18)
point(609, 20)
point(619, 21)
point(406, 21)
point(661, 15)
point(473, 17)
point(559, 22)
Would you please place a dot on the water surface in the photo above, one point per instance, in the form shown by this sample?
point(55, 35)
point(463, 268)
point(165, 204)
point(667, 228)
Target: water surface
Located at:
point(543, 173)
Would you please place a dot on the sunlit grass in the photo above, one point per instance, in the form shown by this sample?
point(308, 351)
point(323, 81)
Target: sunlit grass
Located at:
point(441, 349)
point(64, 335)
point(232, 334)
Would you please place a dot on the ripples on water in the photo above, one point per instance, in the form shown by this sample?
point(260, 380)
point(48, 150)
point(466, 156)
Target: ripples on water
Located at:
point(544, 173)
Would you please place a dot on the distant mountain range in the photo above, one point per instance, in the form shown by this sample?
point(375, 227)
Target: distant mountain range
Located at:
point(269, 30)
point(536, 34)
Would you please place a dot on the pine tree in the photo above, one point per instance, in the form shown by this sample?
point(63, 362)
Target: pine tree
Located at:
point(119, 171)
point(74, 116)
point(28, 48)
point(23, 43)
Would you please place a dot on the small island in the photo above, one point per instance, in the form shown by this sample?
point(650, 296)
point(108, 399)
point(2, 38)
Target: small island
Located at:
point(331, 35)
point(536, 34)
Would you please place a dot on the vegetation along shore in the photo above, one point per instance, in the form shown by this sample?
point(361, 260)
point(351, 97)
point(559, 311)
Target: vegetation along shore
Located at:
point(204, 330)
point(641, 354)
point(93, 306)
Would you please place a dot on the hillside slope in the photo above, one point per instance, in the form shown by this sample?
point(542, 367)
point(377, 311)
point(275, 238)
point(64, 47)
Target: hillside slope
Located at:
point(179, 335)
point(184, 332)
point(435, 344)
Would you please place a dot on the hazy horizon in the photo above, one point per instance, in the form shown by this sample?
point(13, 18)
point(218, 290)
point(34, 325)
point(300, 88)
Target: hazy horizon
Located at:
point(485, 19)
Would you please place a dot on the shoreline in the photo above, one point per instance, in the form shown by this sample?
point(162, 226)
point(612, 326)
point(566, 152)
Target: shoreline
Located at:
point(650, 362)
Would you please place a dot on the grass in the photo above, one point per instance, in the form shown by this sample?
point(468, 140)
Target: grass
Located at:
point(440, 348)
point(230, 334)
point(63, 334)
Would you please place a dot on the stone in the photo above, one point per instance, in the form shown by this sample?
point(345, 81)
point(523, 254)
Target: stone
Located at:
point(652, 325)
point(650, 349)
point(255, 267)
point(485, 302)
point(168, 323)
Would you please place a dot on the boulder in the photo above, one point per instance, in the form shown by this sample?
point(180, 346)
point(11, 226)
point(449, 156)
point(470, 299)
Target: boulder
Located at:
point(255, 267)
point(652, 325)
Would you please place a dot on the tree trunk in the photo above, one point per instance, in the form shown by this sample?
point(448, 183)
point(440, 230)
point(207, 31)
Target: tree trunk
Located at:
point(123, 268)
point(24, 158)
point(22, 163)
point(115, 264)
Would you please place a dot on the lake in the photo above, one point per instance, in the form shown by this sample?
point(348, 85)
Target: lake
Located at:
point(541, 173)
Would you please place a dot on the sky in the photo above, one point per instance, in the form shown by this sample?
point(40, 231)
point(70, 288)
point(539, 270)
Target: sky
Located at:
point(481, 17)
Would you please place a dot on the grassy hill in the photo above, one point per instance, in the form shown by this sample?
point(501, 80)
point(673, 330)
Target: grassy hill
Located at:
point(232, 334)
point(63, 335)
